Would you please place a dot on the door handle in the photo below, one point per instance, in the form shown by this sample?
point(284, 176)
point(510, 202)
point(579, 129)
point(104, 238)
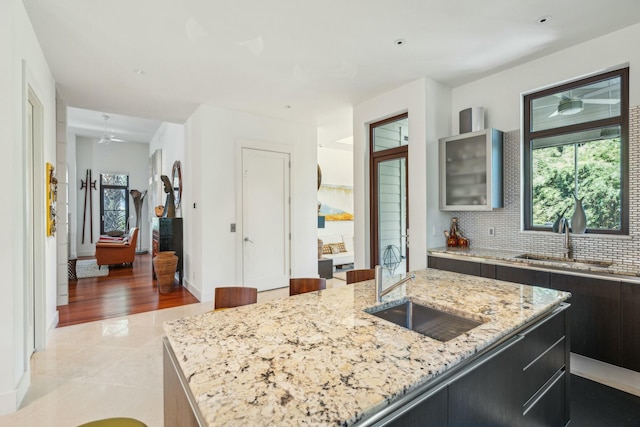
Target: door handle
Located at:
point(246, 239)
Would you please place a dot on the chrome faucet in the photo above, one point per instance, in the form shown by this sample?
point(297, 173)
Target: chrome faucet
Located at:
point(564, 228)
point(378, 281)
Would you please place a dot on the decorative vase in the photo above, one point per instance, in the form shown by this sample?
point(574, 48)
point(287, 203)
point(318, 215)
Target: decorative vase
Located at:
point(164, 264)
point(159, 210)
point(579, 218)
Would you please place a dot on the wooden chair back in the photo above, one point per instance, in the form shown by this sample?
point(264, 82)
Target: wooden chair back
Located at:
point(303, 285)
point(235, 296)
point(354, 276)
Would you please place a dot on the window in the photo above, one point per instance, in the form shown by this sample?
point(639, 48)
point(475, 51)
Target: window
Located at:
point(114, 204)
point(576, 143)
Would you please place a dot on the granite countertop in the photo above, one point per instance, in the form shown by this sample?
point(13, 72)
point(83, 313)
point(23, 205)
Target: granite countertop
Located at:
point(319, 359)
point(509, 256)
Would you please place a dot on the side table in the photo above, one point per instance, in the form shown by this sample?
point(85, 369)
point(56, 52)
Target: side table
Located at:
point(325, 268)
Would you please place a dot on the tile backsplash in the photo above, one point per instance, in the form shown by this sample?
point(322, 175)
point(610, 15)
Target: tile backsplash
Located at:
point(624, 251)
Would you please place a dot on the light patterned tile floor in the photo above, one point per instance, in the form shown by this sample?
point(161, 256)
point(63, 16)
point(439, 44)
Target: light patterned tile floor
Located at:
point(103, 369)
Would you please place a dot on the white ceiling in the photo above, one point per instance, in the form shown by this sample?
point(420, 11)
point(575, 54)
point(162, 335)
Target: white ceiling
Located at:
point(91, 124)
point(318, 58)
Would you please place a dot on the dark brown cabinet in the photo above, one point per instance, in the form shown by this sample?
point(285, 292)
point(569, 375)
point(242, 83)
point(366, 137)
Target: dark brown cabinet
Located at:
point(524, 276)
point(605, 316)
point(595, 320)
point(523, 385)
point(167, 236)
point(432, 412)
point(522, 382)
point(465, 267)
point(486, 396)
point(630, 322)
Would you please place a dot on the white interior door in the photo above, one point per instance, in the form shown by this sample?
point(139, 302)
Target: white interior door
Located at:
point(265, 219)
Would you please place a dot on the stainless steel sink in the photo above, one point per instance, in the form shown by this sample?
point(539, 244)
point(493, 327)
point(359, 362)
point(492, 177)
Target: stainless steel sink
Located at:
point(433, 323)
point(568, 261)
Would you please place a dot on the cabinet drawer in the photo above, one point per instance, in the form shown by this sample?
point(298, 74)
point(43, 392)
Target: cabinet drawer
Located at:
point(547, 408)
point(540, 370)
point(542, 337)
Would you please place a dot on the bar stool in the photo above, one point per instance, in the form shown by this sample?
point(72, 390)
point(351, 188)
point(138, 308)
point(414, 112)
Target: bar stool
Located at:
point(304, 285)
point(354, 276)
point(234, 296)
point(115, 422)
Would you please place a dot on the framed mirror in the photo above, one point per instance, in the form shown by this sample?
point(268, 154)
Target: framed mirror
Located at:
point(176, 179)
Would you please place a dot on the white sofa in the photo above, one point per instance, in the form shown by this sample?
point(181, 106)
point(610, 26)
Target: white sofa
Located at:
point(340, 257)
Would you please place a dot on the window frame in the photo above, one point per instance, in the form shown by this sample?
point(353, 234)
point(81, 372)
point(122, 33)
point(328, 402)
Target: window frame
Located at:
point(622, 121)
point(104, 187)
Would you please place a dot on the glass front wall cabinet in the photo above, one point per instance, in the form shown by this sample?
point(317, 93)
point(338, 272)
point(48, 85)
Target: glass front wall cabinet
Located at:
point(471, 171)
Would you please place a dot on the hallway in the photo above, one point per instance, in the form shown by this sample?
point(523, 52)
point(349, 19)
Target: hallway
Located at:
point(124, 291)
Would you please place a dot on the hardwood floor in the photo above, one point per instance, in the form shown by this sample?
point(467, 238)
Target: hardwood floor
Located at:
point(124, 291)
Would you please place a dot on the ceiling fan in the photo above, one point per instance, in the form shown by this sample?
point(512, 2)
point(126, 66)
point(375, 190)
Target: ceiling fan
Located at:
point(107, 137)
point(569, 105)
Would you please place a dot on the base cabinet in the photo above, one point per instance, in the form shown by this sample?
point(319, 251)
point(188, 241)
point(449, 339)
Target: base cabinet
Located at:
point(464, 267)
point(456, 266)
point(178, 410)
point(433, 412)
point(520, 275)
point(522, 382)
point(630, 320)
point(595, 320)
point(605, 313)
point(486, 397)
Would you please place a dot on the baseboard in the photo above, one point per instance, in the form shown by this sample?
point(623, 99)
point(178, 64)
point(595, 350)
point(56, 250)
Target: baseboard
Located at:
point(195, 291)
point(10, 401)
point(62, 300)
point(613, 376)
point(52, 327)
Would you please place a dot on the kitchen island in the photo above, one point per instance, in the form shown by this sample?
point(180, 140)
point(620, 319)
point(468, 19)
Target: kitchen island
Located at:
point(320, 359)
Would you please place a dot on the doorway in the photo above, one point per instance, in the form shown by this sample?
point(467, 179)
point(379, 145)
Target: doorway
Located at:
point(33, 228)
point(389, 141)
point(265, 219)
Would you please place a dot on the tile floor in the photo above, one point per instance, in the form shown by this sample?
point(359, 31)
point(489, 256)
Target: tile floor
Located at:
point(107, 368)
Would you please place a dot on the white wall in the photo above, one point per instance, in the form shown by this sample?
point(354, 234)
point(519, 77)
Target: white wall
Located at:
point(74, 185)
point(131, 159)
point(213, 138)
point(500, 93)
point(170, 139)
point(22, 64)
point(427, 103)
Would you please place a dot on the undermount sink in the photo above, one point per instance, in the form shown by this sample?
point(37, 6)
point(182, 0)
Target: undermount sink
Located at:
point(431, 322)
point(569, 261)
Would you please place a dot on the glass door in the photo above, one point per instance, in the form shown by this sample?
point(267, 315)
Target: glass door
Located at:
point(389, 209)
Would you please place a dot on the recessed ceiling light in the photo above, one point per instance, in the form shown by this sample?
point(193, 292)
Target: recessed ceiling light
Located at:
point(399, 42)
point(544, 19)
point(288, 107)
point(139, 71)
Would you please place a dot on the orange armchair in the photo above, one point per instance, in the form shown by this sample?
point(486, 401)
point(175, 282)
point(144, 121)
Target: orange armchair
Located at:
point(117, 252)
